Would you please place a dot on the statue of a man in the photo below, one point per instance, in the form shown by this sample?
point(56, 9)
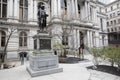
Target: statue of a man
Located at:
point(42, 16)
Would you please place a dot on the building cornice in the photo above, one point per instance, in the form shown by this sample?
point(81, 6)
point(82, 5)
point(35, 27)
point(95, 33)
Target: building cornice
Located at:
point(116, 1)
point(72, 23)
point(16, 24)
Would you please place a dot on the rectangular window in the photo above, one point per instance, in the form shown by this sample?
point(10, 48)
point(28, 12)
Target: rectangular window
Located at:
point(118, 12)
point(101, 22)
point(114, 21)
point(113, 14)
point(25, 41)
point(4, 12)
point(110, 15)
point(25, 14)
point(21, 14)
point(108, 30)
point(20, 41)
point(107, 23)
point(111, 8)
point(117, 5)
point(111, 22)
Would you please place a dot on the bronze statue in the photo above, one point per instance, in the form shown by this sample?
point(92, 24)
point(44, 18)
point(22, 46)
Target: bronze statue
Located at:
point(42, 16)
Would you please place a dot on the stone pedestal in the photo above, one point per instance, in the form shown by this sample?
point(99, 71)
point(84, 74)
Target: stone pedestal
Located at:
point(43, 61)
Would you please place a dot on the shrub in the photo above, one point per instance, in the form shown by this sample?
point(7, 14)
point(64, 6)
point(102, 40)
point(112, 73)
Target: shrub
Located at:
point(112, 53)
point(96, 52)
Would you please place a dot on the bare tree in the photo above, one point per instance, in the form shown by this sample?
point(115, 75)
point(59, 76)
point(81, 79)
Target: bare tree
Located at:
point(63, 36)
point(11, 31)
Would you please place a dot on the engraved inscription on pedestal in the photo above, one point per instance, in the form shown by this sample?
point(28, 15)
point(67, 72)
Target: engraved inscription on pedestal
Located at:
point(45, 44)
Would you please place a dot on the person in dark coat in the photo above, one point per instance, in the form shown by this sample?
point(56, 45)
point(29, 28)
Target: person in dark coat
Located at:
point(81, 51)
point(55, 52)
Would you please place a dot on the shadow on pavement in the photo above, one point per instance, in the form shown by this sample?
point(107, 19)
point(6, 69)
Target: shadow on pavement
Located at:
point(107, 69)
point(71, 60)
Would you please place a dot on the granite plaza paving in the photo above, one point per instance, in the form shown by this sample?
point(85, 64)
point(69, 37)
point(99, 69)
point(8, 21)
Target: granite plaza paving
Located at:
point(76, 71)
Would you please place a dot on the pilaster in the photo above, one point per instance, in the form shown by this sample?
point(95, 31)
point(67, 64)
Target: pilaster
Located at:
point(88, 38)
point(10, 9)
point(54, 8)
point(35, 10)
point(73, 9)
point(69, 14)
point(78, 38)
point(16, 9)
point(91, 39)
point(97, 39)
point(30, 10)
point(75, 38)
point(106, 40)
point(86, 10)
point(59, 8)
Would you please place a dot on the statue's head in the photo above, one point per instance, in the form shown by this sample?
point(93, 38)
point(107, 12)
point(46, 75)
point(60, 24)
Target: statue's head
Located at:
point(42, 7)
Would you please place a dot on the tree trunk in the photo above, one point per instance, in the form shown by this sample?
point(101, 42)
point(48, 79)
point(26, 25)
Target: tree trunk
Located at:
point(5, 52)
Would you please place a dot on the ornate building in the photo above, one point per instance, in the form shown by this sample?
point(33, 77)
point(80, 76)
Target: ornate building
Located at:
point(70, 22)
point(113, 22)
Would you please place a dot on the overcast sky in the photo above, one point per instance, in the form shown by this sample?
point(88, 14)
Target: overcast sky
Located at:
point(106, 1)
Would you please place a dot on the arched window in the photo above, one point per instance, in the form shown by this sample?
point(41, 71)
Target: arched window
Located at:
point(3, 39)
point(23, 39)
point(23, 10)
point(3, 8)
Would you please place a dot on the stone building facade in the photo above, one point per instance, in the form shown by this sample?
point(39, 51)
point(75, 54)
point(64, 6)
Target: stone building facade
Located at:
point(70, 22)
point(113, 22)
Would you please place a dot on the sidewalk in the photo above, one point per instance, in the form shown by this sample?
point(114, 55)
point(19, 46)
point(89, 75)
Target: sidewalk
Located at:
point(75, 71)
point(70, 72)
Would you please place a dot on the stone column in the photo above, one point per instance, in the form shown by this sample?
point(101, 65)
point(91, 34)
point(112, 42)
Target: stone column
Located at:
point(86, 11)
point(97, 39)
point(106, 40)
point(16, 9)
point(100, 39)
point(73, 9)
point(78, 39)
point(30, 10)
point(35, 10)
point(54, 8)
point(76, 8)
point(74, 35)
point(95, 15)
point(88, 38)
point(68, 9)
point(10, 9)
point(82, 7)
point(88, 7)
point(59, 8)
point(91, 39)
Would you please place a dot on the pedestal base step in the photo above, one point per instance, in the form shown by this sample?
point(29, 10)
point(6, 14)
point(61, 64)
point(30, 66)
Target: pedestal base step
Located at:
point(43, 72)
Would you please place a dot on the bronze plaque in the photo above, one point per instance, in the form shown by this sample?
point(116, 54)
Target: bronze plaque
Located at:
point(45, 43)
